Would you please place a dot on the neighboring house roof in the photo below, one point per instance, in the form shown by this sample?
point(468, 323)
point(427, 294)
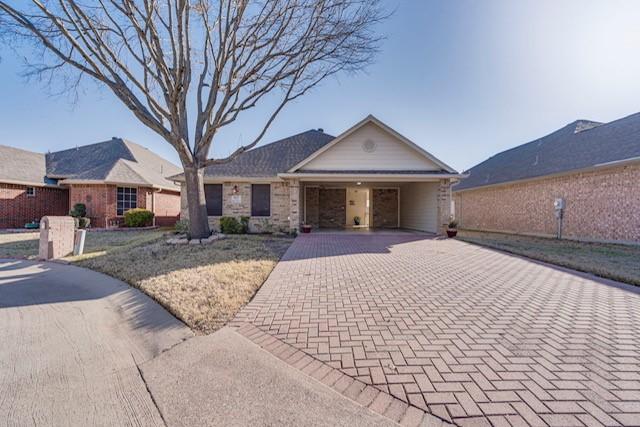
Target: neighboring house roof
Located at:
point(270, 159)
point(580, 145)
point(22, 167)
point(114, 161)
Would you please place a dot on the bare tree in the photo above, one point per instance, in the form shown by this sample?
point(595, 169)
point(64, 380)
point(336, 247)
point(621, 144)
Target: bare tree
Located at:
point(188, 68)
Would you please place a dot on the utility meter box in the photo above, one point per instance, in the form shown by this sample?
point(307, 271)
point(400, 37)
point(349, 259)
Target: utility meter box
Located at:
point(558, 204)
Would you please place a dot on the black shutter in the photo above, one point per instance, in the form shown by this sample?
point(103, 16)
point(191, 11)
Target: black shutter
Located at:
point(213, 196)
point(260, 199)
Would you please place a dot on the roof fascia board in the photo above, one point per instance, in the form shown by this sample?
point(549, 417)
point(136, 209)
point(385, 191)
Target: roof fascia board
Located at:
point(599, 166)
point(28, 184)
point(369, 177)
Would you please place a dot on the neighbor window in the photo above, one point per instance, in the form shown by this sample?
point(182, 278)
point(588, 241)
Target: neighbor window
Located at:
point(213, 197)
point(127, 199)
point(31, 191)
point(260, 200)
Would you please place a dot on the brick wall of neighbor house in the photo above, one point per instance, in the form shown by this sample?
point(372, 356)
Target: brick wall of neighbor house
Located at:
point(16, 209)
point(601, 205)
point(280, 202)
point(166, 207)
point(333, 202)
point(100, 200)
point(384, 207)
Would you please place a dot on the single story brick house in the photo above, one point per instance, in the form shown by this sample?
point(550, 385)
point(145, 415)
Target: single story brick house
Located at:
point(594, 168)
point(370, 176)
point(108, 177)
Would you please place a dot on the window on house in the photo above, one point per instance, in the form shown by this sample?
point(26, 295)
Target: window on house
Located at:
point(260, 199)
point(213, 197)
point(127, 199)
point(31, 191)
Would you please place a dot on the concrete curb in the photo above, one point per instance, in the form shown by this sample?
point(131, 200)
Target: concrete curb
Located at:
point(368, 396)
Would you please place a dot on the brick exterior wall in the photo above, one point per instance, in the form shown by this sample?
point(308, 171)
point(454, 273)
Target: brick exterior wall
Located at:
point(312, 206)
point(384, 207)
point(166, 207)
point(444, 205)
point(239, 204)
point(101, 203)
point(333, 202)
point(601, 205)
point(16, 209)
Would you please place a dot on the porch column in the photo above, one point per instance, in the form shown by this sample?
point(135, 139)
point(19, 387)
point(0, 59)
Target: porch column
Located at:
point(294, 205)
point(444, 205)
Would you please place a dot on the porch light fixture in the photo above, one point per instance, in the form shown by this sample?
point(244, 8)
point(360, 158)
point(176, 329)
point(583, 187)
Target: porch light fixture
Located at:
point(358, 183)
point(235, 189)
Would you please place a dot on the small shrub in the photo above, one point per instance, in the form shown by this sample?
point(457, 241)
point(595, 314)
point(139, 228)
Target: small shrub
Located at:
point(81, 222)
point(230, 225)
point(79, 210)
point(182, 226)
point(453, 223)
point(138, 218)
point(244, 224)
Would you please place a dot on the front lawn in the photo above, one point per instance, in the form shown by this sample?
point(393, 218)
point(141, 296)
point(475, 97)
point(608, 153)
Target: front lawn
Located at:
point(202, 285)
point(617, 262)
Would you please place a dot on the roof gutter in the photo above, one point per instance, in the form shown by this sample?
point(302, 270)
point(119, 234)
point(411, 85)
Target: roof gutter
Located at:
point(371, 177)
point(102, 182)
point(29, 184)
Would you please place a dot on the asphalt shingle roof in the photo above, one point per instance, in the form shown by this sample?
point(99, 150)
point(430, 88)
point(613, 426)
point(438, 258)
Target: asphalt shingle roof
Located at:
point(115, 160)
point(271, 159)
point(579, 145)
point(23, 167)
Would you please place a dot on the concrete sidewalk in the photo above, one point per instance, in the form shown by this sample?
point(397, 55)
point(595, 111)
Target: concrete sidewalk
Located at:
point(225, 380)
point(70, 343)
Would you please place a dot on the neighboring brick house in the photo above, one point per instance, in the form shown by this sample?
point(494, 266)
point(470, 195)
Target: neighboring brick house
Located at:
point(594, 167)
point(326, 182)
point(108, 177)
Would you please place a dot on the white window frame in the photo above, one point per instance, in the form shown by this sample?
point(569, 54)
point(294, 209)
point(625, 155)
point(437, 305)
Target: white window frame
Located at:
point(135, 200)
point(33, 191)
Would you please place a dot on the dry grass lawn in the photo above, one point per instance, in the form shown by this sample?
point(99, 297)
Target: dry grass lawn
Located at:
point(617, 262)
point(203, 285)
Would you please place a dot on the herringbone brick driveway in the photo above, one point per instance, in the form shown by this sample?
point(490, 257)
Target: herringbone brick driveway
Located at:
point(471, 335)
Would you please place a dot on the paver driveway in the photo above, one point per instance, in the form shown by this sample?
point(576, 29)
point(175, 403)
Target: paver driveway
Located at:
point(471, 335)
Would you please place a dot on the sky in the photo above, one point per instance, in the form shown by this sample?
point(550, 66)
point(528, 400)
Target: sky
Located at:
point(463, 79)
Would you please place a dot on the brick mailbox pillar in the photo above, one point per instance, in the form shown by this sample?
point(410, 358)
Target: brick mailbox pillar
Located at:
point(56, 237)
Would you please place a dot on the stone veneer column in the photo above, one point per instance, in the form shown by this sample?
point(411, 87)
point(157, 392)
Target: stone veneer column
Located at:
point(294, 204)
point(444, 204)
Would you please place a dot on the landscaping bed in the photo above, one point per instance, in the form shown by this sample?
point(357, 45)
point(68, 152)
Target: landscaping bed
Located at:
point(202, 285)
point(612, 261)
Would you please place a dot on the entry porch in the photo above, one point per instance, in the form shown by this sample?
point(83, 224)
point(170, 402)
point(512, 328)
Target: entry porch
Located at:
point(374, 205)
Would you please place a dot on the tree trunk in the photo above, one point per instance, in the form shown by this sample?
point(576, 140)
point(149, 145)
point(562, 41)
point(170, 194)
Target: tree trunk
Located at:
point(198, 221)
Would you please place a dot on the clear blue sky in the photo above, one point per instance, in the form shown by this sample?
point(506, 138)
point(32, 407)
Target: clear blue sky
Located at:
point(463, 79)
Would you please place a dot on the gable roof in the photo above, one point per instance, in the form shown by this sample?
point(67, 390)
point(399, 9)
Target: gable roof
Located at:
point(23, 167)
point(372, 119)
point(113, 161)
point(270, 159)
point(579, 145)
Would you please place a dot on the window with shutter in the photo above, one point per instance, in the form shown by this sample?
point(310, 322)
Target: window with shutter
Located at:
point(213, 197)
point(260, 199)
